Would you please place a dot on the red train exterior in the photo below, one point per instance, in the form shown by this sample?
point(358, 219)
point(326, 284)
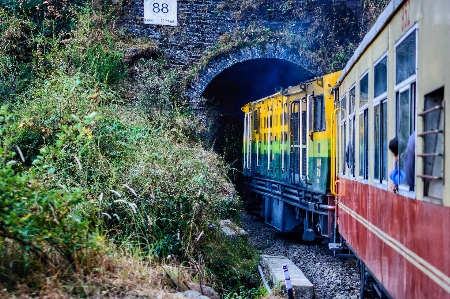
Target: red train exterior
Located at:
point(396, 85)
point(404, 242)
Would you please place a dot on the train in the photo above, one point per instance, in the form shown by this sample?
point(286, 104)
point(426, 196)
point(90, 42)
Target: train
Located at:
point(357, 158)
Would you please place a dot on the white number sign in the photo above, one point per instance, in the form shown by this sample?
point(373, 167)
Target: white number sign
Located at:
point(160, 12)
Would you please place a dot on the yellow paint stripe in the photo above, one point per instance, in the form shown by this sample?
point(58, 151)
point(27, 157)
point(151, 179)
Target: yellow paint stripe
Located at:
point(429, 270)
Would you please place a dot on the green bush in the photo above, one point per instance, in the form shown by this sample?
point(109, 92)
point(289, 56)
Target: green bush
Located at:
point(42, 221)
point(55, 12)
point(233, 263)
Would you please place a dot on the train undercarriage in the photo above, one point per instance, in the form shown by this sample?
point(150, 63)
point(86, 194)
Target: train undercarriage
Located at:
point(291, 208)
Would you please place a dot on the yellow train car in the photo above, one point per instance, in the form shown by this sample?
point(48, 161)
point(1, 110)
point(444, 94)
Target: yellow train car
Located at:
point(286, 156)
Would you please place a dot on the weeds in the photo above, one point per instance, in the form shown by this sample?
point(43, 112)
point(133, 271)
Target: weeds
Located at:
point(103, 169)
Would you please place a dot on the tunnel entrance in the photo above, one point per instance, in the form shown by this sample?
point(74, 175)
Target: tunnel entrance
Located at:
point(233, 88)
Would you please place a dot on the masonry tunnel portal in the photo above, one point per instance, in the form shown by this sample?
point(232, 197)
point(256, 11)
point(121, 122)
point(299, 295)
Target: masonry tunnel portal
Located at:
point(237, 85)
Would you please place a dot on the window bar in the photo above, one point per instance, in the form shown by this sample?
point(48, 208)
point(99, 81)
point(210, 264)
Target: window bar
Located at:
point(430, 132)
point(430, 110)
point(430, 155)
point(431, 177)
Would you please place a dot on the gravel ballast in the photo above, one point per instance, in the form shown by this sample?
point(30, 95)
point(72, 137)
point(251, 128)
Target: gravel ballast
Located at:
point(333, 278)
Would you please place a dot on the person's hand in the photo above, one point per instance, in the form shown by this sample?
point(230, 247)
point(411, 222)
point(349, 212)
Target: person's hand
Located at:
point(394, 187)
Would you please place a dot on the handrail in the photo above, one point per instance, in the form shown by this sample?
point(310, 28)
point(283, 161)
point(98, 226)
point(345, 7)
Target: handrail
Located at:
point(249, 141)
point(245, 140)
point(333, 152)
point(282, 136)
point(269, 125)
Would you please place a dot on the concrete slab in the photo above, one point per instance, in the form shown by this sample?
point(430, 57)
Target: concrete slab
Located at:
point(232, 231)
point(273, 267)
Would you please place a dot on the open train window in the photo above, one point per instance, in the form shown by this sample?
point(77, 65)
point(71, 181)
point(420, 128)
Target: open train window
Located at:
point(433, 149)
point(405, 126)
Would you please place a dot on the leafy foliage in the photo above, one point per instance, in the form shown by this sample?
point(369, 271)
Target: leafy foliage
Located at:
point(106, 150)
point(233, 263)
point(41, 220)
point(53, 14)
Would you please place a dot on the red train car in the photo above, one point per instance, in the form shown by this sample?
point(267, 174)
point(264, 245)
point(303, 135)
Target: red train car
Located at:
point(395, 86)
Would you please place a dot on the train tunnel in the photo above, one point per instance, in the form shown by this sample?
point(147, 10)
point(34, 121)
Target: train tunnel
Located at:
point(233, 88)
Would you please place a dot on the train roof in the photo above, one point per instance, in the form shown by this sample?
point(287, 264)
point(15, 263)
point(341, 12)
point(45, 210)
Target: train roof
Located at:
point(384, 18)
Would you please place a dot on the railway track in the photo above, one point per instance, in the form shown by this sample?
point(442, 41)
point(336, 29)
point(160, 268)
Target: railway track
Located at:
point(333, 278)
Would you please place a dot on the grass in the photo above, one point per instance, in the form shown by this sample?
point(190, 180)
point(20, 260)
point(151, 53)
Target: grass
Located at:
point(105, 178)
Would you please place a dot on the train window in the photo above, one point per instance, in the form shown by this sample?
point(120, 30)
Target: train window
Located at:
point(433, 150)
point(380, 77)
point(405, 120)
point(405, 76)
point(350, 154)
point(255, 120)
point(247, 141)
point(319, 114)
point(350, 150)
point(380, 142)
point(310, 114)
point(352, 96)
point(304, 145)
point(405, 58)
point(343, 107)
point(364, 90)
point(363, 145)
point(295, 122)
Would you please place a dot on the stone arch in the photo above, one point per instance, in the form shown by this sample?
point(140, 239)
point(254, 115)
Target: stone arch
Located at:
point(270, 50)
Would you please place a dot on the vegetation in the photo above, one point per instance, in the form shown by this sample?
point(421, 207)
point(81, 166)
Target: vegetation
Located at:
point(106, 176)
point(102, 171)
